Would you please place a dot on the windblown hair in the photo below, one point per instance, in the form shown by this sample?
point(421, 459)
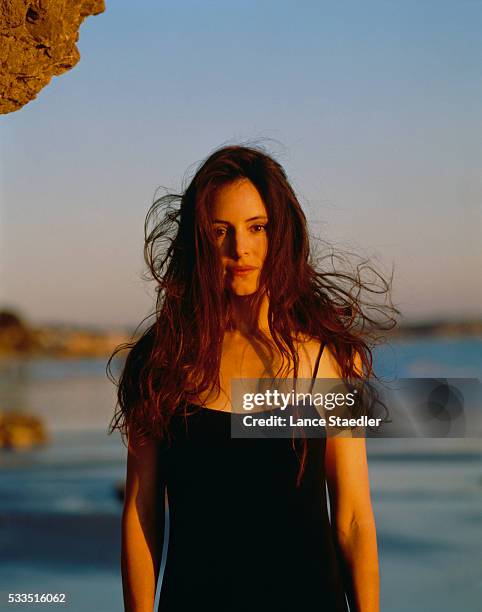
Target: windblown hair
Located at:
point(178, 356)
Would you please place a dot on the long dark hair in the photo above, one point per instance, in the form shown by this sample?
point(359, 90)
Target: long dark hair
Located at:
point(178, 355)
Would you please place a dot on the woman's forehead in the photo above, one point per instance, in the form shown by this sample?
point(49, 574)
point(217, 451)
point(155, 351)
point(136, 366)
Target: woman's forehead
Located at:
point(239, 200)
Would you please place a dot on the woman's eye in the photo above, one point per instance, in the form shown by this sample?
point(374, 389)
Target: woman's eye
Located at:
point(219, 232)
point(258, 228)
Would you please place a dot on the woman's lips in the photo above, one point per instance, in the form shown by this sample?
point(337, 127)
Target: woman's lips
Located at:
point(241, 270)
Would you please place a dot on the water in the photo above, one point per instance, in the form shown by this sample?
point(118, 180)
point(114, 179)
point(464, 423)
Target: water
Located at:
point(60, 516)
point(454, 357)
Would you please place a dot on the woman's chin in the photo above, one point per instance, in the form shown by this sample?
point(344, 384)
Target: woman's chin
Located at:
point(242, 289)
point(243, 292)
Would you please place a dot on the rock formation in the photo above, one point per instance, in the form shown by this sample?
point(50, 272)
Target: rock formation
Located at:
point(38, 41)
point(21, 431)
point(15, 335)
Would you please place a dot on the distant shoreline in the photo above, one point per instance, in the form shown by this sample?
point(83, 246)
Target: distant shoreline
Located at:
point(18, 339)
point(438, 329)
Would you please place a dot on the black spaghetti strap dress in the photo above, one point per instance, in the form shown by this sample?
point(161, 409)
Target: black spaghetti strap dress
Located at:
point(242, 535)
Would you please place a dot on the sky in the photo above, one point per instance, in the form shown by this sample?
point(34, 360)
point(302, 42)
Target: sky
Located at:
point(374, 109)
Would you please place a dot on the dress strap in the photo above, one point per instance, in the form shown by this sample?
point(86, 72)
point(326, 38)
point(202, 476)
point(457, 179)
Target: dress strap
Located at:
point(317, 364)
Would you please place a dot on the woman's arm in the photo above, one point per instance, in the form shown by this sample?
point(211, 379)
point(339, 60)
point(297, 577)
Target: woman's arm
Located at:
point(353, 520)
point(142, 524)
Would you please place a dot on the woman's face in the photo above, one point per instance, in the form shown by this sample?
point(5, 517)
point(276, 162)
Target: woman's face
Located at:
point(240, 220)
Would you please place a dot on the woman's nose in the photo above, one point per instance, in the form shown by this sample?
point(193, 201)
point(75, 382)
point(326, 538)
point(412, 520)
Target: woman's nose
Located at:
point(238, 244)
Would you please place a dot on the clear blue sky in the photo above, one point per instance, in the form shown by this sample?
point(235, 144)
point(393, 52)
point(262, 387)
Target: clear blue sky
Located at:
point(373, 108)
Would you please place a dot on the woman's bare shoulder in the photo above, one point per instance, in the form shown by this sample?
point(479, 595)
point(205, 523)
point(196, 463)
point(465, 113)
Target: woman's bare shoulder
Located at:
point(309, 348)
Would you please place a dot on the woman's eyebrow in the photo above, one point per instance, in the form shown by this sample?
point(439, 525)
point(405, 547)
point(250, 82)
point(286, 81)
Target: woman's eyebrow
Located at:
point(258, 218)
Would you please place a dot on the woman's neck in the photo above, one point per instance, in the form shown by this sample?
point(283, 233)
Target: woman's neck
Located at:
point(241, 310)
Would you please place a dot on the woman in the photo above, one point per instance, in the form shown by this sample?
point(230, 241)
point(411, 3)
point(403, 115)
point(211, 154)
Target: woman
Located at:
point(238, 297)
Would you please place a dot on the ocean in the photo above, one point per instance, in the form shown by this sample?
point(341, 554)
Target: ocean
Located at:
point(60, 514)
